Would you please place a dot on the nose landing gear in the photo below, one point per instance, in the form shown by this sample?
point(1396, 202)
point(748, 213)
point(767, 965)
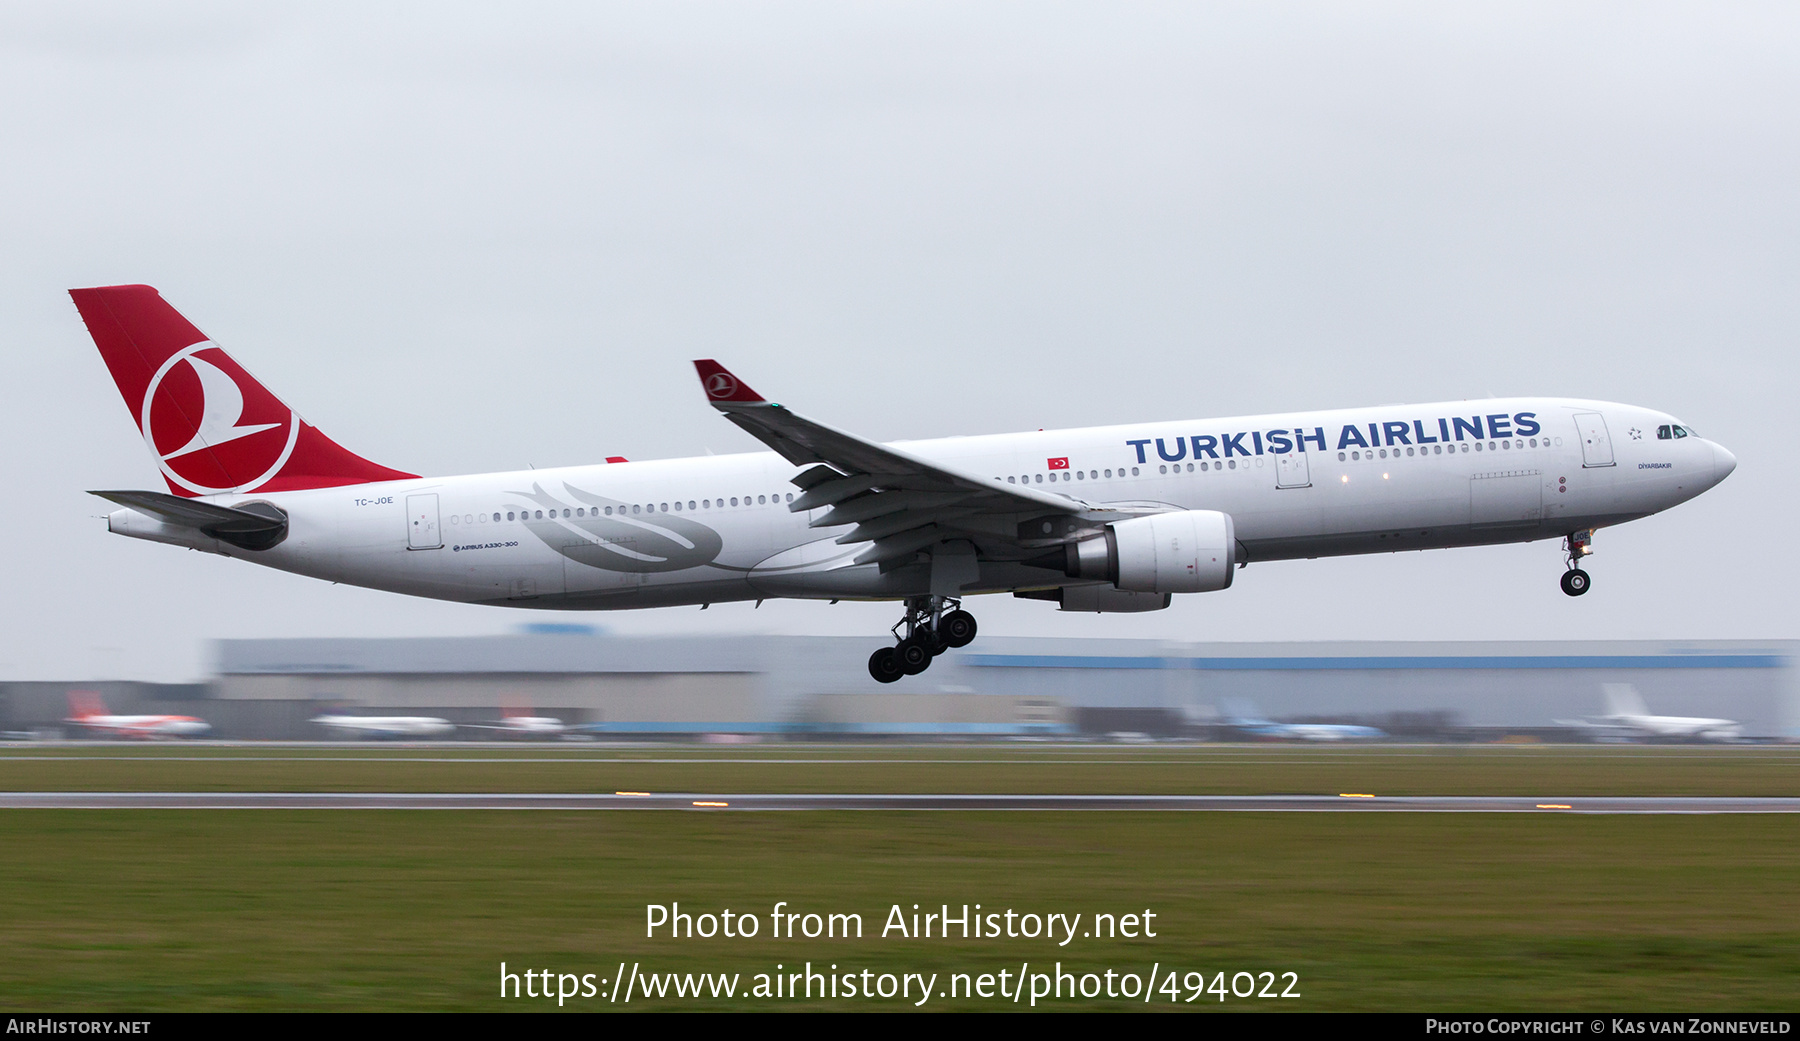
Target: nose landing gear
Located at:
point(1579, 544)
point(930, 630)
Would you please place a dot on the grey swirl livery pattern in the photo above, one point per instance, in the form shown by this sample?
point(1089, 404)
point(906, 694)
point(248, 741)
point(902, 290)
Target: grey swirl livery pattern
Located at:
point(642, 544)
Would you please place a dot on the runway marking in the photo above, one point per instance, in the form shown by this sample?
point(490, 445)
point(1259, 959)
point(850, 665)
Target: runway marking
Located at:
point(888, 801)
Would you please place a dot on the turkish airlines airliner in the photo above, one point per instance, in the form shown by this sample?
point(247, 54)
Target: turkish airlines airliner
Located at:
point(1114, 518)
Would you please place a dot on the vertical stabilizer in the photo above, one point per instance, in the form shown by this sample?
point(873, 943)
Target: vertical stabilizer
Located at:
point(85, 704)
point(210, 426)
point(1622, 699)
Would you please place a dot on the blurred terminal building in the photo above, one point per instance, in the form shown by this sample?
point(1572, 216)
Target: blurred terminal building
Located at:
point(803, 687)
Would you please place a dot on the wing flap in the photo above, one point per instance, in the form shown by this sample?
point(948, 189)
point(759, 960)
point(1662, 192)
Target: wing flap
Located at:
point(899, 545)
point(831, 493)
point(868, 507)
point(894, 523)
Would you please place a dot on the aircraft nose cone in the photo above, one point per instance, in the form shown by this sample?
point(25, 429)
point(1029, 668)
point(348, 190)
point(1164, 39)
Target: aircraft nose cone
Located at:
point(1723, 463)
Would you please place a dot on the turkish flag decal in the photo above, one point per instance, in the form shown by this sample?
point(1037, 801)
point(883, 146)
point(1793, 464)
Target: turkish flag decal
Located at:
point(1060, 463)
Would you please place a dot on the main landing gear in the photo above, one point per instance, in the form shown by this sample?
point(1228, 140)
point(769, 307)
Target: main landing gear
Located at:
point(1579, 544)
point(932, 624)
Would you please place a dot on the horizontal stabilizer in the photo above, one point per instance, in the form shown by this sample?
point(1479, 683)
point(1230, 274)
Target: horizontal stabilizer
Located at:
point(257, 525)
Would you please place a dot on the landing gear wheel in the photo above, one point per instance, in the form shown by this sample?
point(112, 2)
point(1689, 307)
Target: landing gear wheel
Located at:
point(957, 629)
point(884, 665)
point(913, 655)
point(1575, 582)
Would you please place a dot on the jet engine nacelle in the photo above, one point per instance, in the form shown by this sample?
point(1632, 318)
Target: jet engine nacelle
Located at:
point(1189, 551)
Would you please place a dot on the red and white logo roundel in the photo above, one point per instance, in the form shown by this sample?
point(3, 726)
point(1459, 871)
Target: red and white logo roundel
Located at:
point(206, 419)
point(721, 385)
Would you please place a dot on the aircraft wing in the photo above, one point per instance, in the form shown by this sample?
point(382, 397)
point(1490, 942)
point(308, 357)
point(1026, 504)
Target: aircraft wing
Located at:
point(898, 502)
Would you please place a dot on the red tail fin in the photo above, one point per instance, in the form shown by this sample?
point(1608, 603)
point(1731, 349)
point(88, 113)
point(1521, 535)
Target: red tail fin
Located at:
point(85, 704)
point(210, 425)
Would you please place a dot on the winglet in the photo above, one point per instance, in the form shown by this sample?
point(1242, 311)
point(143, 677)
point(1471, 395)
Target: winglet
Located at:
point(722, 387)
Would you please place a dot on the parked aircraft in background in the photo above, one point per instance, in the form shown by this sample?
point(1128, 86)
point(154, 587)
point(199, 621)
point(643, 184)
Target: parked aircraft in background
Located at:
point(1105, 519)
point(388, 726)
point(1629, 718)
point(87, 710)
point(516, 723)
point(1246, 721)
point(1311, 731)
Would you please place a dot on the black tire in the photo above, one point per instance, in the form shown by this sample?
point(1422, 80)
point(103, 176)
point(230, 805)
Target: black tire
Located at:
point(884, 665)
point(913, 655)
point(957, 629)
point(1575, 582)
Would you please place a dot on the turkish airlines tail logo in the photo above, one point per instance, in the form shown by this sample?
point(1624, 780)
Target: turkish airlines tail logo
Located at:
point(212, 428)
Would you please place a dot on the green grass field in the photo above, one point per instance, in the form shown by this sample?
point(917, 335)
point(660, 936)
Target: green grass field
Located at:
point(1178, 769)
point(378, 909)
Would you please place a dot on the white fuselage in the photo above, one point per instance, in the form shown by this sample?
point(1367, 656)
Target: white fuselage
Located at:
point(717, 528)
point(145, 726)
point(1676, 726)
point(388, 726)
point(1314, 731)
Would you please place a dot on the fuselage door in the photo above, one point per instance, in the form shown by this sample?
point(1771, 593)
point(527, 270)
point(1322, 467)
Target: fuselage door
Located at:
point(1292, 471)
point(422, 522)
point(1596, 445)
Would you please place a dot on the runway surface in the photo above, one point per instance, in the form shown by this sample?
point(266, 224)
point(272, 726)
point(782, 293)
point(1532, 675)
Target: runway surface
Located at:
point(700, 801)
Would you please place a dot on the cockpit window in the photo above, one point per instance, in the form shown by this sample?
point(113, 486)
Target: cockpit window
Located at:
point(1664, 432)
point(1681, 431)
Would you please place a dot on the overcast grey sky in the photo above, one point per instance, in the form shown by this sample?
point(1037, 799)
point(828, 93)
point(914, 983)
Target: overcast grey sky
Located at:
point(465, 238)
